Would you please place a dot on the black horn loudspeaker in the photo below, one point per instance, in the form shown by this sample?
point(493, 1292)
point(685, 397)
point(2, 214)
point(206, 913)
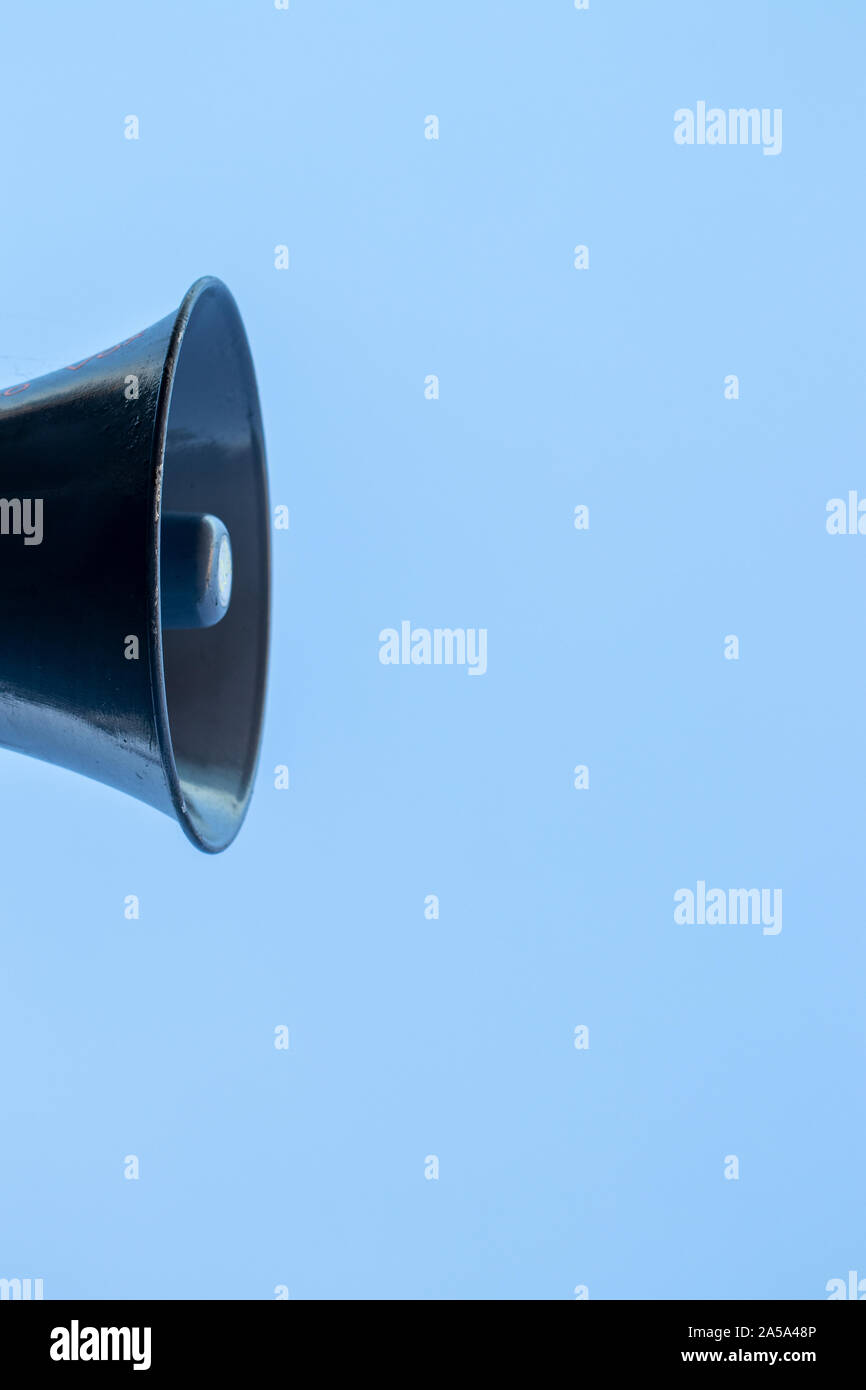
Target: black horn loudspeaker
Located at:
point(134, 551)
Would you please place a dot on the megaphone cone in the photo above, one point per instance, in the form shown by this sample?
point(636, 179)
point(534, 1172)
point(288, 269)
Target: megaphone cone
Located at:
point(134, 552)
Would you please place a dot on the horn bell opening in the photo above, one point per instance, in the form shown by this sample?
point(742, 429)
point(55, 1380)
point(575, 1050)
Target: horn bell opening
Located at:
point(210, 676)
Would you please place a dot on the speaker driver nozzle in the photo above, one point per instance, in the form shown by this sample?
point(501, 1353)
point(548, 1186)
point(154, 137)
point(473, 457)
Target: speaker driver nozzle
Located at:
point(195, 570)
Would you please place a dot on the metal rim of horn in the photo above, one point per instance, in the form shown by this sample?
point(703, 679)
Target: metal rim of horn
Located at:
point(156, 536)
point(212, 826)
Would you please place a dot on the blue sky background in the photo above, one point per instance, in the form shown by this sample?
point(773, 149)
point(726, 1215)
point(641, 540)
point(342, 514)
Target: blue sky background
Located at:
point(455, 1037)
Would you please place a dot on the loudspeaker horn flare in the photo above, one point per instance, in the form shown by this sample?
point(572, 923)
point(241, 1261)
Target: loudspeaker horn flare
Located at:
point(134, 546)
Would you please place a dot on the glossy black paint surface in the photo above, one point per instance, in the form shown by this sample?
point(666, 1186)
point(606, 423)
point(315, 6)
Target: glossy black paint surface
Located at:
point(168, 419)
